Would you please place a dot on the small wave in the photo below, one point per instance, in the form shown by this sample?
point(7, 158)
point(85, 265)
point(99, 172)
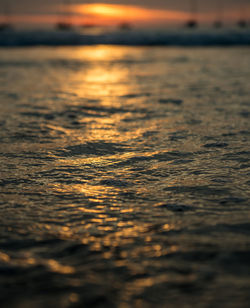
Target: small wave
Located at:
point(93, 148)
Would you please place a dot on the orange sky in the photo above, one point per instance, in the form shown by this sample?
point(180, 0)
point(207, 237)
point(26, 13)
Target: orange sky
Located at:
point(111, 14)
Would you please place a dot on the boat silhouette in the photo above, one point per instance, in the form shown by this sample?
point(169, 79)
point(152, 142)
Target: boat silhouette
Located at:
point(242, 23)
point(63, 26)
point(125, 26)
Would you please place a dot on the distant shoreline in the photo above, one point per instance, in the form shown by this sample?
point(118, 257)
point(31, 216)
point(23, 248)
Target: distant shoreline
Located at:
point(179, 37)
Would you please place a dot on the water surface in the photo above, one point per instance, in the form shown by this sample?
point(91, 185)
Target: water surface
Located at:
point(124, 177)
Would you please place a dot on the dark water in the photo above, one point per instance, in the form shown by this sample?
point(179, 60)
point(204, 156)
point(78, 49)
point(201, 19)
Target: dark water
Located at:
point(176, 36)
point(124, 177)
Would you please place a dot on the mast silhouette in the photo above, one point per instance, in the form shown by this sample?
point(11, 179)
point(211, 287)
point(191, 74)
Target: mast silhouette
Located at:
point(64, 22)
point(242, 23)
point(220, 10)
point(6, 25)
point(126, 25)
point(192, 22)
point(89, 25)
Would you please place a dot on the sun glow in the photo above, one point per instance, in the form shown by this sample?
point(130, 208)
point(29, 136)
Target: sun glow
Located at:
point(111, 13)
point(103, 10)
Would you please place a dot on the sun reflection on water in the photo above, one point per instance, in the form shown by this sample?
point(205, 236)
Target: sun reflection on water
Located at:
point(99, 175)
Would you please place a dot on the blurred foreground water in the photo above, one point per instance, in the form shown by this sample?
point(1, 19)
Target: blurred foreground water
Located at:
point(124, 177)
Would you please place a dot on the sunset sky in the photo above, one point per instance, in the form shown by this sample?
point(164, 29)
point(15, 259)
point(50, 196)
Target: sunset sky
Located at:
point(111, 12)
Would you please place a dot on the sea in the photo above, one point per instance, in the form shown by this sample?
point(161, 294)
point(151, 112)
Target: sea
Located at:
point(125, 170)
